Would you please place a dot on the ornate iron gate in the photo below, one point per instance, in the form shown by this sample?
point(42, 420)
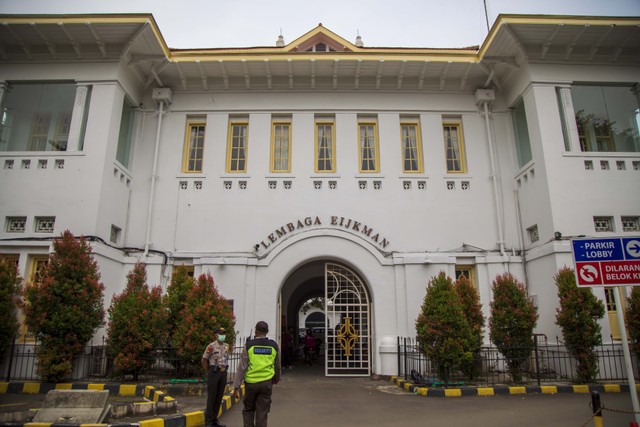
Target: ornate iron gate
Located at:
point(347, 337)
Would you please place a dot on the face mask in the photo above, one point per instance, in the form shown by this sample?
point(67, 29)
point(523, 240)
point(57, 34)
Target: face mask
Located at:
point(221, 337)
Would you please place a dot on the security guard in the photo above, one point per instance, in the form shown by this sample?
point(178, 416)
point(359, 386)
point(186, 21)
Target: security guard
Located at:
point(260, 369)
point(214, 362)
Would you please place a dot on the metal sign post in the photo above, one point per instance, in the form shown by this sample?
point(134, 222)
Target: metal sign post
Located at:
point(627, 356)
point(611, 262)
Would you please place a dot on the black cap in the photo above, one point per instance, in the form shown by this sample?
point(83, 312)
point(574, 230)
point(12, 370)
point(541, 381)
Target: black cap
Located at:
point(262, 327)
point(220, 331)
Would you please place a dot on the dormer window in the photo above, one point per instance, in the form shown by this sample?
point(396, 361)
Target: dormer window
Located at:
point(321, 47)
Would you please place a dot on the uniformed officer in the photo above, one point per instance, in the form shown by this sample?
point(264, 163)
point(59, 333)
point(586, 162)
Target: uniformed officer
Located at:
point(215, 363)
point(260, 369)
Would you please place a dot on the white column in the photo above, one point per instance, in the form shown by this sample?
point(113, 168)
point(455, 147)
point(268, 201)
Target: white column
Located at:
point(77, 117)
point(569, 116)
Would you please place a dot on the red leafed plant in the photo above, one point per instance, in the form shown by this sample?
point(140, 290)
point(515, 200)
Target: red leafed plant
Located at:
point(136, 327)
point(10, 287)
point(204, 311)
point(63, 306)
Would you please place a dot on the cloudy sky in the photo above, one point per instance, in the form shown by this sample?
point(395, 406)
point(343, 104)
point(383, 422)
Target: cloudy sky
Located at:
point(381, 23)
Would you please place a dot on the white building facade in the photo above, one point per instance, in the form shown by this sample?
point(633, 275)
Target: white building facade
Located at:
point(321, 167)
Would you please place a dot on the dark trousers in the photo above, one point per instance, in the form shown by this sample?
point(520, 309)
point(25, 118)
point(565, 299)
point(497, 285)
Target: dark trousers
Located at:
point(216, 381)
point(257, 403)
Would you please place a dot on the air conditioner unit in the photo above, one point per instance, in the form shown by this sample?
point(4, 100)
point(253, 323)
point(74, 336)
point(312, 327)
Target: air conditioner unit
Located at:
point(162, 94)
point(485, 95)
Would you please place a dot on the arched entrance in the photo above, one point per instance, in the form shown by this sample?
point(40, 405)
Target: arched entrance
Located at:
point(347, 313)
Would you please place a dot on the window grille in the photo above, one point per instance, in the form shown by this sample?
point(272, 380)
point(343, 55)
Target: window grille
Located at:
point(630, 223)
point(333, 185)
point(604, 165)
point(227, 185)
point(16, 224)
point(45, 224)
point(603, 223)
point(197, 185)
point(183, 185)
point(588, 165)
point(273, 185)
point(287, 185)
point(533, 233)
point(114, 235)
point(8, 164)
point(621, 165)
point(317, 185)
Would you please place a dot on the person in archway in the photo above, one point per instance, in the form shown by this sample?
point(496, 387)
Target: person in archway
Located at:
point(309, 347)
point(287, 348)
point(260, 369)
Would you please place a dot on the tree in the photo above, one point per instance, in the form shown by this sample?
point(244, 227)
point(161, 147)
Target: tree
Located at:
point(578, 317)
point(204, 311)
point(137, 324)
point(472, 309)
point(443, 332)
point(513, 318)
point(63, 306)
point(174, 300)
point(10, 288)
point(633, 319)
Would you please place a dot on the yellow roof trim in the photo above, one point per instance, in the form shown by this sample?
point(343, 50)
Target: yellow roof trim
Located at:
point(347, 56)
point(553, 20)
point(133, 18)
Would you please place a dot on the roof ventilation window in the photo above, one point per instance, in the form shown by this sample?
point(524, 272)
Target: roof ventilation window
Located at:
point(321, 47)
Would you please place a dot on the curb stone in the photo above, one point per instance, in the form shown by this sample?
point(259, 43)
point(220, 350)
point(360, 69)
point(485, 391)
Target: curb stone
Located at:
point(154, 396)
point(508, 390)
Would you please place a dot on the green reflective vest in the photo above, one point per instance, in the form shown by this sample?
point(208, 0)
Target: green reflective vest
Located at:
point(262, 354)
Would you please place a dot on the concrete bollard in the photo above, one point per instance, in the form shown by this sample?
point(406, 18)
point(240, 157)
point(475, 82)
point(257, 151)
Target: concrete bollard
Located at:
point(597, 409)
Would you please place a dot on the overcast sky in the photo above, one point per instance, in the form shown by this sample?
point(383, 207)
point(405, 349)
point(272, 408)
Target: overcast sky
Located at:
point(381, 23)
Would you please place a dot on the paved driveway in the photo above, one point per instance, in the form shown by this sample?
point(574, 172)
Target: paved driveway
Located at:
point(306, 398)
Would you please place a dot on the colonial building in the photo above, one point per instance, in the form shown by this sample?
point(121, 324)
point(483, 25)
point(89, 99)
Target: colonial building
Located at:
point(321, 166)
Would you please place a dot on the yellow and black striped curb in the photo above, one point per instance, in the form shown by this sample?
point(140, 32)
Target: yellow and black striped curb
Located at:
point(508, 390)
point(191, 419)
point(149, 392)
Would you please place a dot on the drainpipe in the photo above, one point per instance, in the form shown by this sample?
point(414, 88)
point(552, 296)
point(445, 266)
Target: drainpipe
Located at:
point(154, 177)
point(485, 96)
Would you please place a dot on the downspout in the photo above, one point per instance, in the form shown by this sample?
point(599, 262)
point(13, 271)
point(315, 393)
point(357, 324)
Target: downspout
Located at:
point(494, 178)
point(154, 177)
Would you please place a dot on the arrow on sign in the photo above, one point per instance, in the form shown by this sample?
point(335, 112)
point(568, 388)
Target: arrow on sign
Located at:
point(633, 248)
point(588, 273)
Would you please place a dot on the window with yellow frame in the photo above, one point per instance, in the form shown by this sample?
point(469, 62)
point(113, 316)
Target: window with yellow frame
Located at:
point(325, 145)
point(411, 146)
point(281, 145)
point(186, 268)
point(454, 146)
point(34, 269)
point(468, 272)
point(612, 310)
point(194, 145)
point(368, 148)
point(237, 145)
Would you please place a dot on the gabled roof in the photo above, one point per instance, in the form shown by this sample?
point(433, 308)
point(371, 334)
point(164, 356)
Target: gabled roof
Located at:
point(320, 34)
point(136, 42)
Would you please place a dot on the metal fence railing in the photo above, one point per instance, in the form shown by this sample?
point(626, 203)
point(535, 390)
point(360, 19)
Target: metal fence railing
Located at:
point(548, 362)
point(96, 364)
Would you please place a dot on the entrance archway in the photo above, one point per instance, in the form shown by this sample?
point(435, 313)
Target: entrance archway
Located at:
point(347, 313)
